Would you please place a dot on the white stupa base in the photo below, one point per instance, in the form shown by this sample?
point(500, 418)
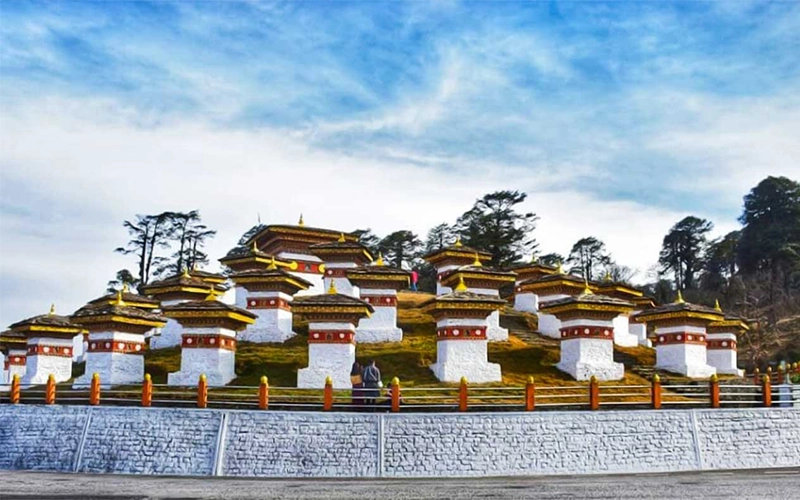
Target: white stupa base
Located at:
point(380, 327)
point(464, 358)
point(14, 358)
point(640, 331)
point(549, 325)
point(377, 335)
point(526, 302)
point(317, 286)
point(685, 359)
point(78, 349)
point(724, 360)
point(265, 335)
point(273, 324)
point(39, 368)
point(170, 336)
point(494, 333)
point(114, 368)
point(622, 335)
point(475, 373)
point(216, 364)
point(585, 371)
point(327, 360)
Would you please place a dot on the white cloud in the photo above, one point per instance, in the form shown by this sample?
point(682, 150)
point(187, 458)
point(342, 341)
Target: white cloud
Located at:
point(105, 169)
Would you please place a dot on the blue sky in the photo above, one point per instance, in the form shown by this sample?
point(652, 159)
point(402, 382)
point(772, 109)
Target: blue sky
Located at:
point(617, 118)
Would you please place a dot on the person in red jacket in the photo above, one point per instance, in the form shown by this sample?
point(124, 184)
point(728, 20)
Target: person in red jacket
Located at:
point(414, 278)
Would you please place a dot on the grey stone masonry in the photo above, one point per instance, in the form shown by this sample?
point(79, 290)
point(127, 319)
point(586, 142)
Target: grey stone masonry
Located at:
point(532, 444)
point(318, 444)
point(284, 444)
point(150, 441)
point(38, 437)
point(749, 439)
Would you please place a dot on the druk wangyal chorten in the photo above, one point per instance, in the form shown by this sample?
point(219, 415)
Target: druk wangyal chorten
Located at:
point(326, 285)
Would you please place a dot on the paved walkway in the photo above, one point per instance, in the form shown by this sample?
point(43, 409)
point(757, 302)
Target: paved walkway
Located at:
point(739, 485)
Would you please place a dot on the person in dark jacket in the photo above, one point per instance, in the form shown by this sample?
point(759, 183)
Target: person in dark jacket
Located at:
point(358, 386)
point(371, 377)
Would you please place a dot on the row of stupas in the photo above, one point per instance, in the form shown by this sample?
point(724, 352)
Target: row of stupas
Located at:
point(347, 297)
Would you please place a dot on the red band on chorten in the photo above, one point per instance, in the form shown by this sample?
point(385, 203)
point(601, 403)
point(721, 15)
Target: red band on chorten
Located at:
point(331, 337)
point(117, 346)
point(380, 300)
point(461, 333)
point(50, 350)
point(208, 342)
point(680, 338)
point(268, 303)
point(721, 344)
point(587, 332)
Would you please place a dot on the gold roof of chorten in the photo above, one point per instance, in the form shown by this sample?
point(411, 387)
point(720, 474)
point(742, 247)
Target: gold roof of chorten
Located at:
point(679, 309)
point(130, 299)
point(210, 308)
point(47, 323)
point(117, 311)
point(184, 283)
point(456, 250)
point(272, 274)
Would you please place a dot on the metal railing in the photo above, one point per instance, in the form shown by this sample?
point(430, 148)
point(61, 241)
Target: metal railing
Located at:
point(460, 398)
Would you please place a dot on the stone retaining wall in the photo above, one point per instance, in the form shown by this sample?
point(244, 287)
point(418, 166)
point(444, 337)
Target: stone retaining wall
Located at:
point(310, 444)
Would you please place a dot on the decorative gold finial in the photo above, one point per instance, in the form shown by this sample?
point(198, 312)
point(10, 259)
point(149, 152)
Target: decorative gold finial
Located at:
point(272, 264)
point(586, 289)
point(254, 248)
point(679, 298)
point(559, 268)
point(52, 309)
point(125, 288)
point(332, 288)
point(328, 380)
point(607, 277)
point(185, 273)
point(458, 241)
point(118, 300)
point(477, 262)
point(341, 238)
point(301, 222)
point(211, 295)
point(194, 266)
point(379, 262)
point(461, 287)
point(716, 305)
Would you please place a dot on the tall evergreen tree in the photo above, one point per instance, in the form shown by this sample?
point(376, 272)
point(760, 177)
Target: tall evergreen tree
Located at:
point(439, 237)
point(369, 239)
point(493, 225)
point(589, 258)
point(721, 262)
point(551, 259)
point(682, 250)
point(148, 233)
point(190, 235)
point(400, 247)
point(123, 277)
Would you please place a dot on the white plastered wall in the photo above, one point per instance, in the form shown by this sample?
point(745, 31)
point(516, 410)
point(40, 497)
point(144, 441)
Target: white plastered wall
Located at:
point(640, 331)
point(622, 335)
point(170, 334)
point(114, 368)
point(39, 366)
point(686, 359)
point(464, 358)
point(328, 360)
point(216, 364)
point(526, 302)
point(317, 286)
point(549, 325)
point(272, 325)
point(343, 285)
point(586, 357)
point(381, 326)
point(724, 360)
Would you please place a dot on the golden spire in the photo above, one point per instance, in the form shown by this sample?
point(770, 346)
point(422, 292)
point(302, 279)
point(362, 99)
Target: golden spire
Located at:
point(679, 298)
point(332, 288)
point(254, 248)
point(477, 262)
point(272, 264)
point(301, 222)
point(125, 288)
point(461, 287)
point(194, 266)
point(52, 309)
point(716, 305)
point(379, 262)
point(559, 268)
point(118, 299)
point(211, 295)
point(608, 278)
point(586, 289)
point(185, 273)
point(341, 238)
point(458, 241)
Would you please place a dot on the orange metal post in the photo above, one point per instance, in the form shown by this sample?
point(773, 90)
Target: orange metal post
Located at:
point(94, 390)
point(656, 392)
point(15, 389)
point(463, 395)
point(769, 373)
point(713, 390)
point(147, 390)
point(530, 395)
point(594, 393)
point(263, 394)
point(396, 395)
point(766, 390)
point(202, 392)
point(327, 395)
point(50, 390)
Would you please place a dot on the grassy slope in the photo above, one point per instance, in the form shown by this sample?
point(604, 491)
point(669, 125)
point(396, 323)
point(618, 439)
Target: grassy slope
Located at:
point(407, 360)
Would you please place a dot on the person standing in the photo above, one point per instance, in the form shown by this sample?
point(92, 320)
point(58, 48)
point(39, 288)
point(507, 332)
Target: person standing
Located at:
point(414, 279)
point(371, 378)
point(358, 386)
